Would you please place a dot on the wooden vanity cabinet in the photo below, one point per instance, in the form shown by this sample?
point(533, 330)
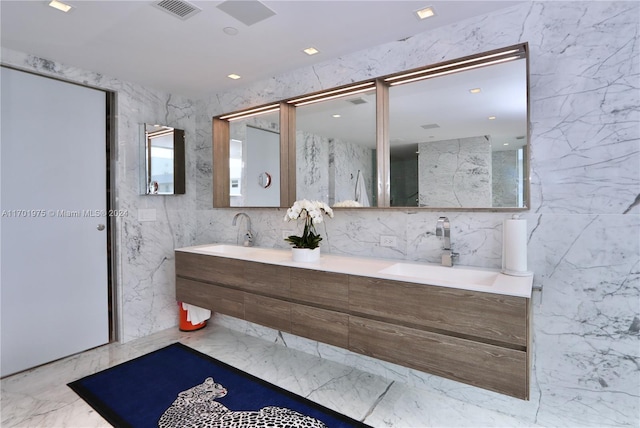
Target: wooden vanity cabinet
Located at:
point(210, 269)
point(218, 299)
point(260, 278)
point(267, 311)
point(480, 364)
point(481, 339)
point(323, 289)
point(323, 325)
point(489, 317)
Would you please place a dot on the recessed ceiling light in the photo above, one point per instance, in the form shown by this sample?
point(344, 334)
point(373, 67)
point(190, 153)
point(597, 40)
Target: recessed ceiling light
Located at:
point(310, 51)
point(492, 118)
point(233, 76)
point(425, 12)
point(475, 90)
point(60, 6)
point(231, 31)
point(505, 144)
point(336, 116)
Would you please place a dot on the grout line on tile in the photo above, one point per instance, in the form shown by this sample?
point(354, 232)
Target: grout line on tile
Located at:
point(378, 400)
point(282, 338)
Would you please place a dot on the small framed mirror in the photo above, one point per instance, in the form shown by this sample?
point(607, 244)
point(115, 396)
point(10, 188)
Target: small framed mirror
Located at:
point(162, 160)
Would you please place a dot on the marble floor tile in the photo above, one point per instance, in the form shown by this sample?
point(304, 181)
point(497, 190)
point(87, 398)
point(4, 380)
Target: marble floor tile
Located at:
point(40, 397)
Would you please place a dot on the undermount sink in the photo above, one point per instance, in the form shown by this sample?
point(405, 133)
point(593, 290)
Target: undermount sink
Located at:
point(441, 274)
point(231, 250)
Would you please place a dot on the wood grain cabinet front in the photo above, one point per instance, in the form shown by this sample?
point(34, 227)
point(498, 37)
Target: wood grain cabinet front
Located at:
point(487, 366)
point(267, 311)
point(481, 339)
point(261, 278)
point(216, 270)
point(490, 317)
point(266, 279)
point(218, 299)
point(324, 289)
point(320, 324)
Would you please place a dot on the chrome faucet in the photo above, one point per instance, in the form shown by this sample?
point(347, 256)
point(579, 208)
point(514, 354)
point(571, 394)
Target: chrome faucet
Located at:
point(248, 236)
point(443, 231)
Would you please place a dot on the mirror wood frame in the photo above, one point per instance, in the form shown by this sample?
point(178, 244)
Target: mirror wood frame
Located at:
point(220, 136)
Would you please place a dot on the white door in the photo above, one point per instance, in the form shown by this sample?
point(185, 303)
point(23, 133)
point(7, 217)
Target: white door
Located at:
point(53, 259)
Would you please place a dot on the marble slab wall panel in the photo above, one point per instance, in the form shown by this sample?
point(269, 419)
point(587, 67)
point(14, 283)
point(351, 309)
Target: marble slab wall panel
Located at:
point(144, 268)
point(584, 219)
point(455, 173)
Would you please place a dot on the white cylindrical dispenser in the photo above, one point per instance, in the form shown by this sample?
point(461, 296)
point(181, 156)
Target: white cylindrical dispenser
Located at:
point(514, 247)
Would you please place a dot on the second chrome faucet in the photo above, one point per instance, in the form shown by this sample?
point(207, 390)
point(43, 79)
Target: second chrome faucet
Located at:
point(443, 231)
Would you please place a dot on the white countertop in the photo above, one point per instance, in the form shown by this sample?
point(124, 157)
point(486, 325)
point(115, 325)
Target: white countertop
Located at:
point(461, 277)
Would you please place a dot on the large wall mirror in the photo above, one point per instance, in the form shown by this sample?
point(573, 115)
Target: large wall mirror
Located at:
point(458, 140)
point(162, 169)
point(451, 136)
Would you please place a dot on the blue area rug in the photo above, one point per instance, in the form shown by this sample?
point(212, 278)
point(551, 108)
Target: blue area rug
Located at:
point(137, 393)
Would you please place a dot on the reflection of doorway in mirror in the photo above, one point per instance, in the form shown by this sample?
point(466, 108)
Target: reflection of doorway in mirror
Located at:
point(404, 175)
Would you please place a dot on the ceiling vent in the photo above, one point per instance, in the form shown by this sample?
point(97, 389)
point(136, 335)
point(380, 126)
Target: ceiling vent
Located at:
point(248, 12)
point(358, 101)
point(178, 8)
point(430, 126)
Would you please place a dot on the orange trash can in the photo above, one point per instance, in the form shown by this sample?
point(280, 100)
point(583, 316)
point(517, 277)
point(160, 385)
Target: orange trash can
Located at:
point(186, 325)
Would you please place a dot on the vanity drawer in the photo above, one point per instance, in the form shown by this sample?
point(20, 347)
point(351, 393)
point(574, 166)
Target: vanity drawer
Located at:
point(494, 317)
point(218, 299)
point(326, 289)
point(261, 278)
point(498, 369)
point(266, 279)
point(223, 271)
point(268, 312)
point(321, 325)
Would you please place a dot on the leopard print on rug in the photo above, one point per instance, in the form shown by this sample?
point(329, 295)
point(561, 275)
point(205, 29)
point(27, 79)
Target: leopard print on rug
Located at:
point(196, 408)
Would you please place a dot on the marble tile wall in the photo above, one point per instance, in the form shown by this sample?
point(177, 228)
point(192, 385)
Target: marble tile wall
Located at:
point(584, 220)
